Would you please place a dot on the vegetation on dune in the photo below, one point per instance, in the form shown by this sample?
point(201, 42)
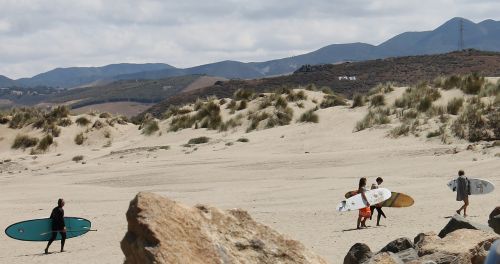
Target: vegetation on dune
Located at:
point(243, 94)
point(45, 143)
point(296, 96)
point(331, 100)
point(454, 105)
point(150, 127)
point(79, 139)
point(309, 116)
point(82, 121)
point(377, 116)
point(105, 115)
point(358, 100)
point(198, 140)
point(470, 83)
point(244, 140)
point(381, 89)
point(377, 100)
point(77, 158)
point(24, 141)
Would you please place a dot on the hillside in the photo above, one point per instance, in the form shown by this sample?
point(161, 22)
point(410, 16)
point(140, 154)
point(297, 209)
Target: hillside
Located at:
point(401, 70)
point(445, 38)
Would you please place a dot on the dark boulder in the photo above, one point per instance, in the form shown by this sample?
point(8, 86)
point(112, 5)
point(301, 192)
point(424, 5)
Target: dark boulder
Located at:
point(494, 221)
point(358, 253)
point(459, 222)
point(398, 245)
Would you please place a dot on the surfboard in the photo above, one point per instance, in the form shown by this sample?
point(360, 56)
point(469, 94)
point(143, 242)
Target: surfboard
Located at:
point(356, 202)
point(41, 229)
point(477, 186)
point(397, 199)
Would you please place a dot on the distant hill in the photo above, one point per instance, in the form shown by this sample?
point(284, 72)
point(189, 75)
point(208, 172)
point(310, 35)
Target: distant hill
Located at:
point(401, 70)
point(6, 82)
point(76, 76)
point(445, 38)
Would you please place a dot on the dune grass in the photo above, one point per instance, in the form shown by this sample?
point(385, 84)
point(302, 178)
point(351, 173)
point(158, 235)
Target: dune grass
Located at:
point(24, 142)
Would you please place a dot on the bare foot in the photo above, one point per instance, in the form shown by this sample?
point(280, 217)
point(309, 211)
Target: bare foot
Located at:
point(458, 212)
point(46, 251)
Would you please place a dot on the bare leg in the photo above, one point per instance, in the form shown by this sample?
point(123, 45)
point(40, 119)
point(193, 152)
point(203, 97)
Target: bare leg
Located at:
point(63, 240)
point(52, 238)
point(466, 203)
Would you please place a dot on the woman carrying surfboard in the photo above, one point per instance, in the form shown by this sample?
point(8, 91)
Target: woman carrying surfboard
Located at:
point(463, 191)
point(364, 213)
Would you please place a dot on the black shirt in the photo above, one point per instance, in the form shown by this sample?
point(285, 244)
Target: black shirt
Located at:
point(57, 217)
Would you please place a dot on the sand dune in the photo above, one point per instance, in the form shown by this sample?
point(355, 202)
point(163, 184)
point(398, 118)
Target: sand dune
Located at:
point(290, 178)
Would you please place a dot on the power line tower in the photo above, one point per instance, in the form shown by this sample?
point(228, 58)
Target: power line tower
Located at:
point(461, 35)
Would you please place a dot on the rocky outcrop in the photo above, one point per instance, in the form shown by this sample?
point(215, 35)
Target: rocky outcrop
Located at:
point(163, 231)
point(494, 221)
point(463, 246)
point(459, 222)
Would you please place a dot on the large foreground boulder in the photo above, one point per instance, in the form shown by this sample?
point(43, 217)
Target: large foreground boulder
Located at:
point(459, 222)
point(494, 221)
point(358, 253)
point(464, 246)
point(163, 231)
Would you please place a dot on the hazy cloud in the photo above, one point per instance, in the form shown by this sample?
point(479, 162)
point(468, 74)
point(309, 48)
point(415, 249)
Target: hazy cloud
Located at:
point(36, 36)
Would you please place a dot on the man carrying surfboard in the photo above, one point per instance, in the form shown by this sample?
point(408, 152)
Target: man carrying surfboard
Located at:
point(378, 207)
point(364, 213)
point(58, 225)
point(463, 191)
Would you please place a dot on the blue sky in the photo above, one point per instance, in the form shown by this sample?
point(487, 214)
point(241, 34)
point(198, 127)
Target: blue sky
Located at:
point(39, 35)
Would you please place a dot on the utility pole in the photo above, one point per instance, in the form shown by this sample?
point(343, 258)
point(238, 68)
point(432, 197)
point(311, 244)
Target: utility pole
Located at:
point(461, 35)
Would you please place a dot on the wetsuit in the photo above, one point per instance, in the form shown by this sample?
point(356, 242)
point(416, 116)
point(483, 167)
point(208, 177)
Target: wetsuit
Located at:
point(376, 207)
point(58, 225)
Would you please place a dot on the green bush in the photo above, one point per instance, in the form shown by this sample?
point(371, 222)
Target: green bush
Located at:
point(198, 140)
point(80, 138)
point(45, 143)
point(59, 112)
point(293, 97)
point(243, 94)
point(309, 116)
point(281, 103)
point(181, 122)
point(82, 121)
point(377, 100)
point(418, 97)
point(472, 83)
point(379, 116)
point(331, 101)
point(105, 115)
point(64, 122)
point(424, 104)
point(256, 119)
point(454, 105)
point(150, 127)
point(358, 100)
point(280, 117)
point(24, 141)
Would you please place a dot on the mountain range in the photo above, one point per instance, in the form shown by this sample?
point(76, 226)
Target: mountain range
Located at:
point(481, 36)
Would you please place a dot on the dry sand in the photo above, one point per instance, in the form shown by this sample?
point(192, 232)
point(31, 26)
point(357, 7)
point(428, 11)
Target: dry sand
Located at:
point(290, 178)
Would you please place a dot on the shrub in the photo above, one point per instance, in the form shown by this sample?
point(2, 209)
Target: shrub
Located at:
point(256, 119)
point(59, 112)
point(472, 83)
point(327, 90)
point(64, 122)
point(181, 122)
point(174, 111)
point(300, 95)
point(105, 115)
point(410, 114)
point(454, 106)
point(52, 129)
point(82, 121)
point(24, 141)
point(231, 105)
point(358, 100)
point(242, 105)
point(470, 124)
point(45, 143)
point(281, 103)
point(243, 94)
point(377, 100)
point(198, 140)
point(280, 117)
point(424, 104)
point(378, 116)
point(150, 127)
point(331, 101)
point(299, 104)
point(79, 139)
point(401, 130)
point(231, 123)
point(381, 89)
point(222, 101)
point(435, 133)
point(243, 140)
point(25, 116)
point(98, 124)
point(309, 116)
point(77, 158)
point(311, 87)
point(451, 82)
point(413, 97)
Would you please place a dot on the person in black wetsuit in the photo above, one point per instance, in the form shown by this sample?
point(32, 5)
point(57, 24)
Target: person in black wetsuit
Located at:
point(58, 225)
point(377, 207)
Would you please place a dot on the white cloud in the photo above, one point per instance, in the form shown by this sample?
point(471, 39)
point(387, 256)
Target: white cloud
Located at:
point(37, 36)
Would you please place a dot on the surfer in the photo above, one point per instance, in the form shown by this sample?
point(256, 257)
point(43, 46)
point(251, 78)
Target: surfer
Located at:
point(378, 207)
point(364, 213)
point(58, 225)
point(463, 191)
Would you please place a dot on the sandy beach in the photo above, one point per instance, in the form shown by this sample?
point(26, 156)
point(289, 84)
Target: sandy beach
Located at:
point(290, 178)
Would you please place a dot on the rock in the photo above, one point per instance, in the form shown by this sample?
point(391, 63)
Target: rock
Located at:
point(398, 245)
point(459, 222)
point(424, 238)
point(358, 253)
point(407, 255)
point(163, 231)
point(435, 258)
point(466, 245)
point(494, 221)
point(384, 258)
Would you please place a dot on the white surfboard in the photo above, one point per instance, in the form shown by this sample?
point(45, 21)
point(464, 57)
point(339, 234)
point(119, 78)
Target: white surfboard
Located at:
point(356, 202)
point(477, 186)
